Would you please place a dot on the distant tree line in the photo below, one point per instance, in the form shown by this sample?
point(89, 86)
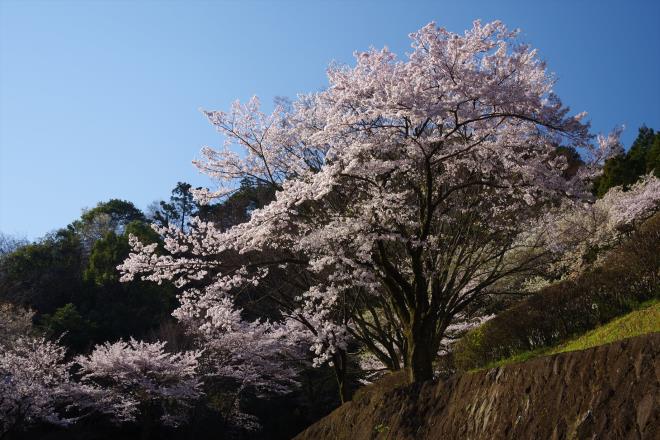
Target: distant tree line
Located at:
point(69, 278)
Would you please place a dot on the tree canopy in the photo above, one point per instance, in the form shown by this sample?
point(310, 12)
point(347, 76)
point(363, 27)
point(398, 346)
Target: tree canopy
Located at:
point(402, 195)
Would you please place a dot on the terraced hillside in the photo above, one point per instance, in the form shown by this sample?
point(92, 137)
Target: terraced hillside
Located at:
point(607, 392)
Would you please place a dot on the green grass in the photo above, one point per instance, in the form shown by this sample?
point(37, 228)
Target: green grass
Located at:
point(640, 322)
point(515, 359)
point(644, 320)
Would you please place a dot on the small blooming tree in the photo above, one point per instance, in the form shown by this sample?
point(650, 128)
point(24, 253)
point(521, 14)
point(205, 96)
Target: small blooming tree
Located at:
point(142, 377)
point(35, 380)
point(35, 384)
point(403, 193)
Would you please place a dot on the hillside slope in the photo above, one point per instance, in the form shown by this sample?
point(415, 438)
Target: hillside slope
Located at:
point(639, 322)
point(606, 392)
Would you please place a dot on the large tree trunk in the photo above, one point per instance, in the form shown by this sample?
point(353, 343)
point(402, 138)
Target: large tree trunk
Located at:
point(420, 353)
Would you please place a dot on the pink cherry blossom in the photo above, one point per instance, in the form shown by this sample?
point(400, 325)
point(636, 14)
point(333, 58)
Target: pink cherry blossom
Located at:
point(405, 192)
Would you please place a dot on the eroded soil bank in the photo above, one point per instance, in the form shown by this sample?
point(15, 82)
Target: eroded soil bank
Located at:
point(607, 392)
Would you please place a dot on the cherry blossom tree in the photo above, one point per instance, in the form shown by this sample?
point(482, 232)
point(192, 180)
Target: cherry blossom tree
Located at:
point(38, 384)
point(577, 232)
point(261, 356)
point(253, 353)
point(375, 367)
point(34, 380)
point(404, 191)
point(141, 378)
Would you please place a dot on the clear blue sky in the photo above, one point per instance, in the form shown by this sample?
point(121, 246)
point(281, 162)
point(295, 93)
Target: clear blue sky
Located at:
point(100, 99)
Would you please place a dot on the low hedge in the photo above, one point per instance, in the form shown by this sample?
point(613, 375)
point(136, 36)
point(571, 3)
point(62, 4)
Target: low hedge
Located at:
point(629, 275)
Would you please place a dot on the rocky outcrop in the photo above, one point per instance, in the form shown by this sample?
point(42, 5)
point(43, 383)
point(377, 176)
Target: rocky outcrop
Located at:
point(607, 392)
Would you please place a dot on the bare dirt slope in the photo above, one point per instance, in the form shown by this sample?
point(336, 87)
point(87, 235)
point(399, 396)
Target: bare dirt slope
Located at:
point(607, 392)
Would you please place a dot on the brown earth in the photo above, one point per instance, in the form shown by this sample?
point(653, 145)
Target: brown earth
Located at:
point(607, 392)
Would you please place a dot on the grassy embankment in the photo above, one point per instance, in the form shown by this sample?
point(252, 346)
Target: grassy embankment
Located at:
point(646, 319)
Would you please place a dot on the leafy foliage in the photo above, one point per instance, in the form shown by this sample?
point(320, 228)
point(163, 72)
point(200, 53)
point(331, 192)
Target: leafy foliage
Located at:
point(69, 326)
point(643, 157)
point(121, 213)
point(44, 275)
point(179, 209)
point(70, 279)
point(9, 244)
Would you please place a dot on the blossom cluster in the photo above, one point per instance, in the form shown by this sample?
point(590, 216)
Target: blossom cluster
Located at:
point(38, 384)
point(576, 232)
